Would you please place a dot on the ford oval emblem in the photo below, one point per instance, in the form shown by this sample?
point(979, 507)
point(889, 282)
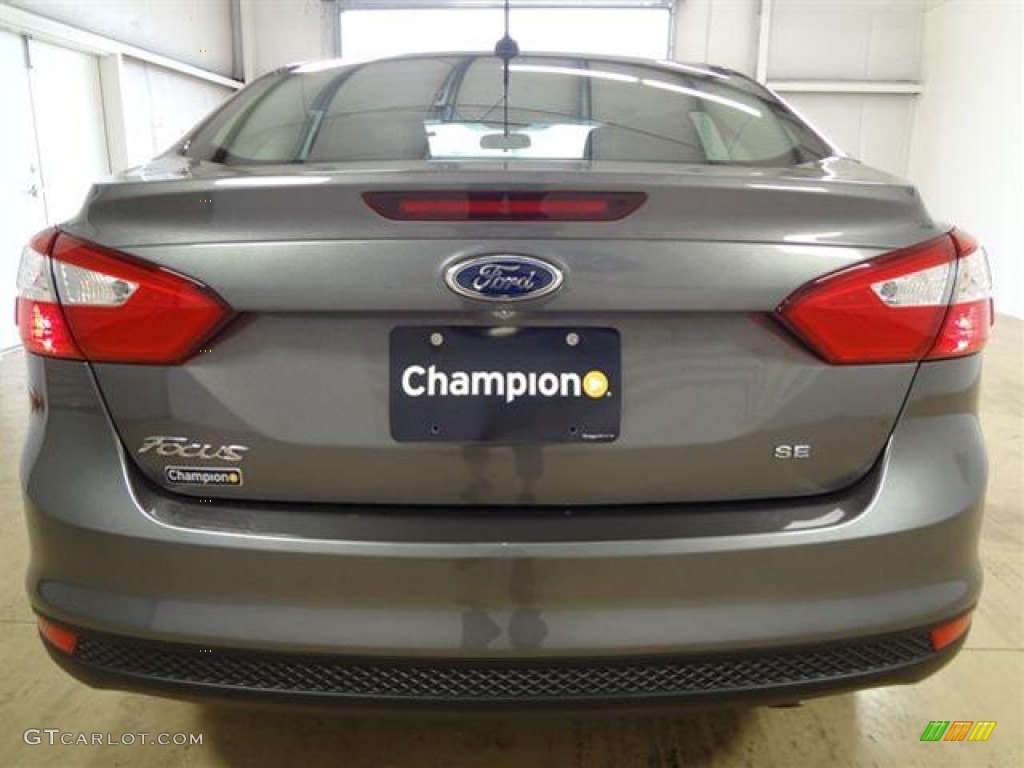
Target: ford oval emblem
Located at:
point(504, 277)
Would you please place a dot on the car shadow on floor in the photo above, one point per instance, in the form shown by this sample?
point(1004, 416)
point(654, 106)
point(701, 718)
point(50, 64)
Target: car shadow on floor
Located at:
point(254, 735)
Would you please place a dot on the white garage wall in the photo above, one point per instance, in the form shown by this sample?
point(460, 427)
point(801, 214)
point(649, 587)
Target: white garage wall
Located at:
point(197, 32)
point(808, 39)
point(845, 40)
point(161, 105)
point(822, 40)
point(968, 141)
point(874, 128)
point(722, 32)
point(157, 62)
point(863, 40)
point(279, 32)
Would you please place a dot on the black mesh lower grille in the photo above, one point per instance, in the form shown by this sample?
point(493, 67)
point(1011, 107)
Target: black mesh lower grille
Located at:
point(499, 680)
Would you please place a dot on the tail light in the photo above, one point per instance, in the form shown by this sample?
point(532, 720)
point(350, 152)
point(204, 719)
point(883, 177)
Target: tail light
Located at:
point(81, 301)
point(504, 206)
point(930, 301)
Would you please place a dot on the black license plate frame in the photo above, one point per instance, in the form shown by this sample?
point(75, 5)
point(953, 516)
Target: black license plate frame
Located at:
point(574, 394)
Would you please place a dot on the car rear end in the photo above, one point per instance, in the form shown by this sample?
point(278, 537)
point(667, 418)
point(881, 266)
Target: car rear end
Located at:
point(662, 409)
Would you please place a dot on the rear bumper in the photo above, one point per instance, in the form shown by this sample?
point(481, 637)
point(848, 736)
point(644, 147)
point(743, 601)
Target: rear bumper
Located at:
point(891, 556)
point(764, 677)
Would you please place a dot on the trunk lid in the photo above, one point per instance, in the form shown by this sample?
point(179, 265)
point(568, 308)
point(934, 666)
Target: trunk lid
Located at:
point(715, 397)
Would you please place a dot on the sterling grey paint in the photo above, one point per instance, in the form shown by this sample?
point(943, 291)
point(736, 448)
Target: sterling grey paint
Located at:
point(837, 201)
point(709, 384)
point(898, 552)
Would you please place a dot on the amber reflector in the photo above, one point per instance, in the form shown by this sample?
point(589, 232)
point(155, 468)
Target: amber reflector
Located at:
point(64, 640)
point(946, 634)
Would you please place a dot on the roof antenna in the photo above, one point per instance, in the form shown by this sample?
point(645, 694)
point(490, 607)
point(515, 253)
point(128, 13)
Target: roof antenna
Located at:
point(506, 50)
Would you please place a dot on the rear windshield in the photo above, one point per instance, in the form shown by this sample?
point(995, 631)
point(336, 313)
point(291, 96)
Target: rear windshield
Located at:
point(455, 108)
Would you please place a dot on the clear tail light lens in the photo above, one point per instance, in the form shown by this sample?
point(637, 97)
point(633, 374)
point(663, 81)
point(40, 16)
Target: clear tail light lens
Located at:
point(37, 312)
point(929, 301)
point(79, 300)
point(970, 316)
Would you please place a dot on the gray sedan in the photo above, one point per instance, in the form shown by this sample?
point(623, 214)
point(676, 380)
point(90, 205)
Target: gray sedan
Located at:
point(458, 379)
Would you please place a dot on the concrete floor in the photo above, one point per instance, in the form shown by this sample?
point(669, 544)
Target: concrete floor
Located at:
point(872, 728)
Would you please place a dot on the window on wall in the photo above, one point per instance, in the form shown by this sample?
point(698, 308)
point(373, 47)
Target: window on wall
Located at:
point(368, 33)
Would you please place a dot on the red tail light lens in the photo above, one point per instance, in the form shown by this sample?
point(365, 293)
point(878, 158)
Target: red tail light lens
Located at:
point(504, 206)
point(79, 300)
point(932, 300)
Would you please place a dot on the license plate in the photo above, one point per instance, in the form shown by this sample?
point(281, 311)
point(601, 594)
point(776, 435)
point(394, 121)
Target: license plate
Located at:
point(505, 385)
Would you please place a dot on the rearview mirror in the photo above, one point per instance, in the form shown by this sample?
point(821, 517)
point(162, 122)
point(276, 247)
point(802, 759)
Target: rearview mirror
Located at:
point(503, 142)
